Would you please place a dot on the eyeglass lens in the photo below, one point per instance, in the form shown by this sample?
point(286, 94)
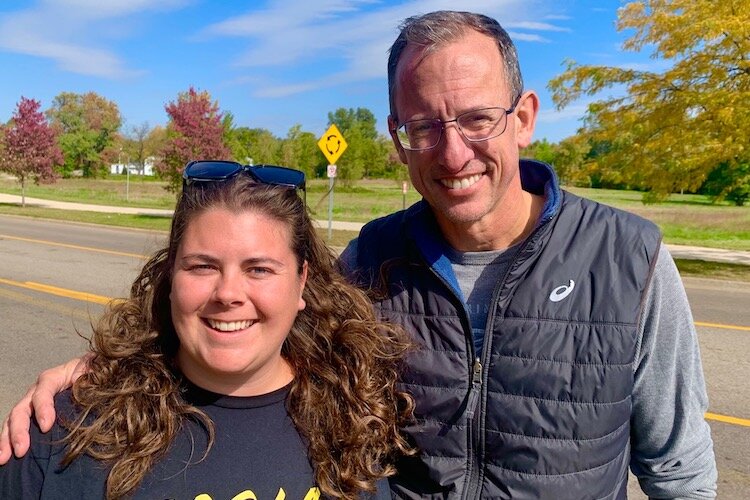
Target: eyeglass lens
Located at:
point(477, 125)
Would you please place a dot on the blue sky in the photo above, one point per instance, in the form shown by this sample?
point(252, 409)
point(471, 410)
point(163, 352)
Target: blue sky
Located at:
point(272, 63)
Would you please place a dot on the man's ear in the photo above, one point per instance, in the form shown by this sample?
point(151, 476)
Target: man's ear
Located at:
point(527, 110)
point(392, 125)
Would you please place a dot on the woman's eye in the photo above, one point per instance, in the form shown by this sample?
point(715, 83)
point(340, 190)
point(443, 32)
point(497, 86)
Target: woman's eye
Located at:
point(259, 271)
point(201, 267)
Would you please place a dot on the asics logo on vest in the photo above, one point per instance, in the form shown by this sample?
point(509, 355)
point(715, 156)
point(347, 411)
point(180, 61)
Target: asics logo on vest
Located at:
point(562, 291)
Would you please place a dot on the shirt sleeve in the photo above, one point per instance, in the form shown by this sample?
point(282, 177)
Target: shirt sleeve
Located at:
point(347, 261)
point(672, 450)
point(23, 478)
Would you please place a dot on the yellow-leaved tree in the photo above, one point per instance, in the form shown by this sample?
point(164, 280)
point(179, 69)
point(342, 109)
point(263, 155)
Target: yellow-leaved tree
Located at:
point(671, 130)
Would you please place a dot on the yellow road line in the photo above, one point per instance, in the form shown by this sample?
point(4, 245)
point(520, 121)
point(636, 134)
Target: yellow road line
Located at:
point(719, 325)
point(61, 292)
point(727, 419)
point(75, 247)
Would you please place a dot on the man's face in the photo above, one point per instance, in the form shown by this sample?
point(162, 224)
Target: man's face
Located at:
point(466, 183)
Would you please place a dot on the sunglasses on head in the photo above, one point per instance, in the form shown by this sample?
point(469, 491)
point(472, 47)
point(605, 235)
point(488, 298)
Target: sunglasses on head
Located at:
point(206, 171)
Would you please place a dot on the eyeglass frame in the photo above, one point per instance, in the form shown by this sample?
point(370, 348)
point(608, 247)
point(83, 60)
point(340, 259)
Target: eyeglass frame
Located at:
point(251, 170)
point(443, 123)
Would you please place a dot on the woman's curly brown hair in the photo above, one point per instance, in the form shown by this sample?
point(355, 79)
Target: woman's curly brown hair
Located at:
point(343, 399)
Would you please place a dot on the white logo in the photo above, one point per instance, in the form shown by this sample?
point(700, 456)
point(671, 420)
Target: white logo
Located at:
point(562, 291)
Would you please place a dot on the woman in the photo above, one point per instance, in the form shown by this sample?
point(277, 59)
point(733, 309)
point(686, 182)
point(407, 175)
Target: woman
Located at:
point(242, 365)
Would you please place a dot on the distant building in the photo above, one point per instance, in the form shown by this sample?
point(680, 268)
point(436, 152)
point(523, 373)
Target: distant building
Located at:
point(148, 167)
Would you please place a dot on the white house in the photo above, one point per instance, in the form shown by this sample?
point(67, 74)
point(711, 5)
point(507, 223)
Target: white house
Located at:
point(148, 167)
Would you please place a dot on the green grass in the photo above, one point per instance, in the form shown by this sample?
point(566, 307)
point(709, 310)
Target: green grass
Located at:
point(338, 240)
point(714, 270)
point(684, 219)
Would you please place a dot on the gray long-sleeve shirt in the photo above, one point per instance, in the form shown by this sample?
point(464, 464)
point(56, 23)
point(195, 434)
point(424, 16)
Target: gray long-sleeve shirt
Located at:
point(672, 451)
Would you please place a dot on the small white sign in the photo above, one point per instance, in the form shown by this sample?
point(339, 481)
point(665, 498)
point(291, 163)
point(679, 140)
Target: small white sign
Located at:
point(331, 171)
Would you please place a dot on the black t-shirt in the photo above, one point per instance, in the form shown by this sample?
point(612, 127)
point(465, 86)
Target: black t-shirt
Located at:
point(257, 454)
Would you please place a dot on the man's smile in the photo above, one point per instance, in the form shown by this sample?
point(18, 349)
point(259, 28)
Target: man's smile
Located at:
point(462, 182)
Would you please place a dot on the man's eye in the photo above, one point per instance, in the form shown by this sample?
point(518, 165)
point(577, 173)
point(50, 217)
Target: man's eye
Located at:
point(420, 128)
point(477, 119)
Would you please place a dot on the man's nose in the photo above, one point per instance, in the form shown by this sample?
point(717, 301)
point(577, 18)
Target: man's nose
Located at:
point(455, 149)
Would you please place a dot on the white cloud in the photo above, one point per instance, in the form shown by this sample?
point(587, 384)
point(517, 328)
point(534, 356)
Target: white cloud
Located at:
point(62, 30)
point(355, 33)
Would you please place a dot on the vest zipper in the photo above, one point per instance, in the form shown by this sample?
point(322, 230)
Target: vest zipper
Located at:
point(473, 417)
point(476, 388)
point(473, 413)
point(476, 423)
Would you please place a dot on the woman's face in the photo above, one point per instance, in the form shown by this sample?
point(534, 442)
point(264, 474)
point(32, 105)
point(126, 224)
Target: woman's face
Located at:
point(236, 291)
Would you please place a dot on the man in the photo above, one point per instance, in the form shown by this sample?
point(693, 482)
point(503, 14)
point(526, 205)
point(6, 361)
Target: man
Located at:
point(556, 345)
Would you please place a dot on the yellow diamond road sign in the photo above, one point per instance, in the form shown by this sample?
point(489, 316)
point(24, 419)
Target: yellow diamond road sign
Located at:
point(332, 144)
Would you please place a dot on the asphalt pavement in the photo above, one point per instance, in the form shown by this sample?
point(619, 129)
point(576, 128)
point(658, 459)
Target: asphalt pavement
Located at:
point(677, 251)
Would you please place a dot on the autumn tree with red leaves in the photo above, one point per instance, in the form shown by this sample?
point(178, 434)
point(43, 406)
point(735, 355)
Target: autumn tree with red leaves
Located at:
point(194, 132)
point(29, 148)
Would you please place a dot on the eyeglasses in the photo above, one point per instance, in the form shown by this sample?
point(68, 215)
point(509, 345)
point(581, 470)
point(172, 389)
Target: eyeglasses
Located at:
point(475, 126)
point(204, 171)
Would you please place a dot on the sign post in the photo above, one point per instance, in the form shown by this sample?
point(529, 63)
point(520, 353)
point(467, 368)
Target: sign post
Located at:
point(332, 144)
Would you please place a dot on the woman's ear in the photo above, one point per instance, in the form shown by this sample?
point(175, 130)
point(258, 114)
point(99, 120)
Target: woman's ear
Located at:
point(302, 282)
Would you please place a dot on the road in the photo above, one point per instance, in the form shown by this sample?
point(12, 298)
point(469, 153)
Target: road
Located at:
point(42, 263)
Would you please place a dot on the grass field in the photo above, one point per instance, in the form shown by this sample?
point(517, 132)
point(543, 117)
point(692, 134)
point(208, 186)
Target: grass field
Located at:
point(684, 219)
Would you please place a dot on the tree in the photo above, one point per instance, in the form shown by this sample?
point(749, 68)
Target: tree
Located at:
point(87, 126)
point(195, 132)
point(731, 185)
point(136, 145)
point(256, 145)
point(29, 146)
point(365, 152)
point(570, 158)
point(670, 130)
point(300, 150)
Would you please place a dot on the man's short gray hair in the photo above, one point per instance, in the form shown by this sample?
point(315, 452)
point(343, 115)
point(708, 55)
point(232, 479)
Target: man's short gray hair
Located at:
point(438, 28)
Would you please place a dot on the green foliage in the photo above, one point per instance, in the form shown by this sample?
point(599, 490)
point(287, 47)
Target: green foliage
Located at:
point(366, 152)
point(670, 130)
point(300, 150)
point(570, 158)
point(255, 145)
point(729, 182)
point(87, 125)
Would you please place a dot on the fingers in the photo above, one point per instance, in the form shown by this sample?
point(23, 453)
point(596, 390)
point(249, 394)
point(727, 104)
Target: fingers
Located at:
point(5, 451)
point(39, 400)
point(14, 436)
point(49, 383)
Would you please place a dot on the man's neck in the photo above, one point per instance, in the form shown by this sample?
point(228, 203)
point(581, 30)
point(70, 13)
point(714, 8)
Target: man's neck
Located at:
point(496, 233)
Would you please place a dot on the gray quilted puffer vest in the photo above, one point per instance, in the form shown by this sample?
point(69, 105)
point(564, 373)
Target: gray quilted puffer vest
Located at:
point(545, 413)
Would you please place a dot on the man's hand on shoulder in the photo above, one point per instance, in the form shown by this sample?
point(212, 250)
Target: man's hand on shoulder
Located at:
point(38, 402)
